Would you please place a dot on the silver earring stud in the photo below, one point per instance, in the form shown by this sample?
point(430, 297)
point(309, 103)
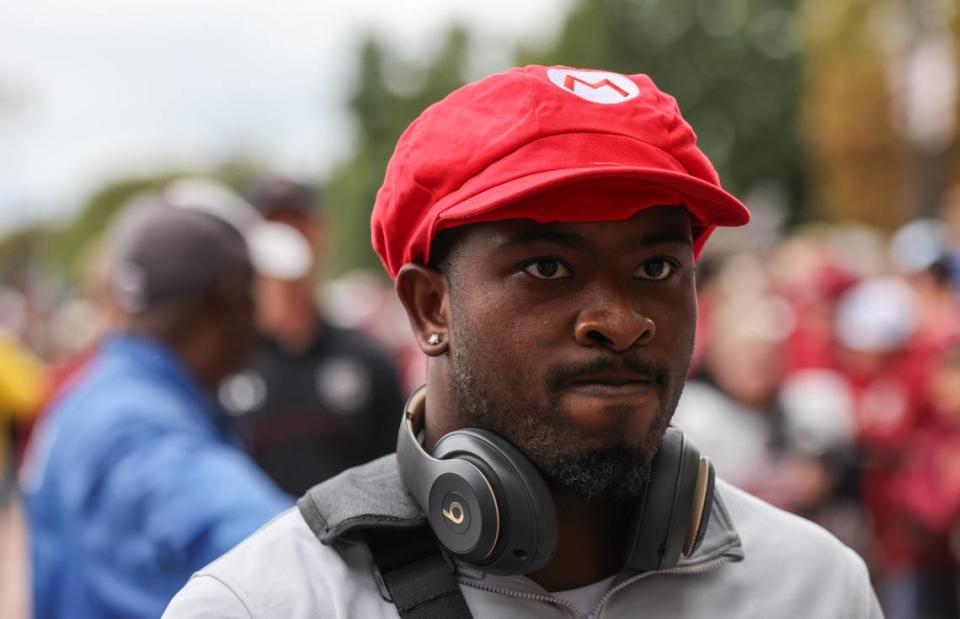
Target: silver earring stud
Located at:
point(434, 339)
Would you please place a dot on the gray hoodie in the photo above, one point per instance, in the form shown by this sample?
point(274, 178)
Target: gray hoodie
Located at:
point(755, 561)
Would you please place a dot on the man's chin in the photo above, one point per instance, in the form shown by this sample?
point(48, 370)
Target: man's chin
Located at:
point(615, 465)
point(609, 473)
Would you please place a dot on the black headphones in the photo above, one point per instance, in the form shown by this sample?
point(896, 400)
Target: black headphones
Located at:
point(489, 506)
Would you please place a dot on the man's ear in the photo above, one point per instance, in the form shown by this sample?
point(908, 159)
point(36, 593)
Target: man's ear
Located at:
point(425, 294)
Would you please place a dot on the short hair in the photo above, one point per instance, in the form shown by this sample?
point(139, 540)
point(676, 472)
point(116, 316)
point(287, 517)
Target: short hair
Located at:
point(443, 249)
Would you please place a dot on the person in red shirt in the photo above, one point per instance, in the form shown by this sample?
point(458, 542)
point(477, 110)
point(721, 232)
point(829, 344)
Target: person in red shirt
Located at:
point(928, 487)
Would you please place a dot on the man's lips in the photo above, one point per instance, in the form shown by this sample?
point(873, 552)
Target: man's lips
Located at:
point(613, 384)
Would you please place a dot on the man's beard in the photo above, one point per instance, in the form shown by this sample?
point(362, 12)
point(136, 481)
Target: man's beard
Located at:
point(545, 436)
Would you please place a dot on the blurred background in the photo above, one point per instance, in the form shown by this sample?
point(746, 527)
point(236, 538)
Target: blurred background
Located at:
point(827, 375)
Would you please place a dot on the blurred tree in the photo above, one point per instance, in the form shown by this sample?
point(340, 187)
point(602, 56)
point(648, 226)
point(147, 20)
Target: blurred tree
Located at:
point(734, 68)
point(862, 160)
point(390, 93)
point(57, 250)
point(953, 167)
point(18, 246)
point(67, 243)
point(17, 251)
point(926, 83)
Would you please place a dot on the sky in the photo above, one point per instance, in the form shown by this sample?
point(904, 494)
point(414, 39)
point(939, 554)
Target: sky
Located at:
point(98, 90)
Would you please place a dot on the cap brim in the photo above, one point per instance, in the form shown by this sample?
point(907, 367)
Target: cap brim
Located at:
point(710, 205)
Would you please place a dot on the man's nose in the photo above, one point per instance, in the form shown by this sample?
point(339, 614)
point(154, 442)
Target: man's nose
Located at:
point(613, 321)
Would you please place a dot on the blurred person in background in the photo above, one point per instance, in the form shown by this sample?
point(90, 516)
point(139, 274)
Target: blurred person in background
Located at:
point(950, 216)
point(850, 387)
point(806, 275)
point(22, 384)
point(361, 300)
point(920, 254)
point(924, 495)
point(876, 322)
point(733, 409)
point(928, 488)
point(135, 479)
point(316, 399)
point(23, 380)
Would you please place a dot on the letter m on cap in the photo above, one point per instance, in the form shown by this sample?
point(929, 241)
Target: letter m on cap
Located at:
point(570, 82)
point(594, 86)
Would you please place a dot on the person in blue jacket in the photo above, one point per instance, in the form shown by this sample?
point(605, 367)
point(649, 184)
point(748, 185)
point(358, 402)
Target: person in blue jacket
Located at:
point(135, 479)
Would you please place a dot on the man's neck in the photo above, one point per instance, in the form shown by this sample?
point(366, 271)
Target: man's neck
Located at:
point(194, 353)
point(591, 539)
point(299, 332)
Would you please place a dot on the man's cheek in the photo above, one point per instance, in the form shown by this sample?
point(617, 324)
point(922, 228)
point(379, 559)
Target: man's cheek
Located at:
point(676, 324)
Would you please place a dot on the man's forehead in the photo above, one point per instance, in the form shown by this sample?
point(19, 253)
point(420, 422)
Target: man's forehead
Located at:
point(652, 226)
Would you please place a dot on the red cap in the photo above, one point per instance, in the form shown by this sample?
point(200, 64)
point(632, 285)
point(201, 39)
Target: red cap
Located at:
point(477, 153)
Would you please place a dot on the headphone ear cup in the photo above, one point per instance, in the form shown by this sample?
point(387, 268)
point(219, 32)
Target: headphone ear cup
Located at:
point(527, 528)
point(664, 514)
point(455, 494)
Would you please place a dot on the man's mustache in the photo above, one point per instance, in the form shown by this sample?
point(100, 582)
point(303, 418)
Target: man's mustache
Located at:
point(562, 375)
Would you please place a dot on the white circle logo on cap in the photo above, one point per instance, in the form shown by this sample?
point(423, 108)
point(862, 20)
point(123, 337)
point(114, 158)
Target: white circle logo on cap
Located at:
point(595, 86)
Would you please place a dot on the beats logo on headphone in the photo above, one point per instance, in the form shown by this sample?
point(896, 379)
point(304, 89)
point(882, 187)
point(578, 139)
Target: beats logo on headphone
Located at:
point(489, 506)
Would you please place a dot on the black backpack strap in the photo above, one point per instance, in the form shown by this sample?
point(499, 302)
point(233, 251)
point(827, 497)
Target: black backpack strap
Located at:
point(421, 584)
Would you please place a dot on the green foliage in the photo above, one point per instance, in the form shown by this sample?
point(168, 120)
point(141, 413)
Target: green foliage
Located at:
point(734, 68)
point(58, 251)
point(859, 158)
point(953, 166)
point(390, 93)
point(19, 249)
point(67, 244)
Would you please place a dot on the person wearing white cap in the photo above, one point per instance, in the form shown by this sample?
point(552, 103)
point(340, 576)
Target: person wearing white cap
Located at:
point(317, 398)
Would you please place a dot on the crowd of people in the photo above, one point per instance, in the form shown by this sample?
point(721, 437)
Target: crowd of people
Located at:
point(198, 393)
point(826, 380)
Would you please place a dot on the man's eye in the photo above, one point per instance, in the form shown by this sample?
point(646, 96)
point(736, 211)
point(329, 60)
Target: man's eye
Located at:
point(547, 269)
point(658, 268)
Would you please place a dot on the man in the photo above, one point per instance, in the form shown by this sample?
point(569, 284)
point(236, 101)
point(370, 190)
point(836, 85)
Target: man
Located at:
point(542, 226)
point(134, 479)
point(316, 399)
